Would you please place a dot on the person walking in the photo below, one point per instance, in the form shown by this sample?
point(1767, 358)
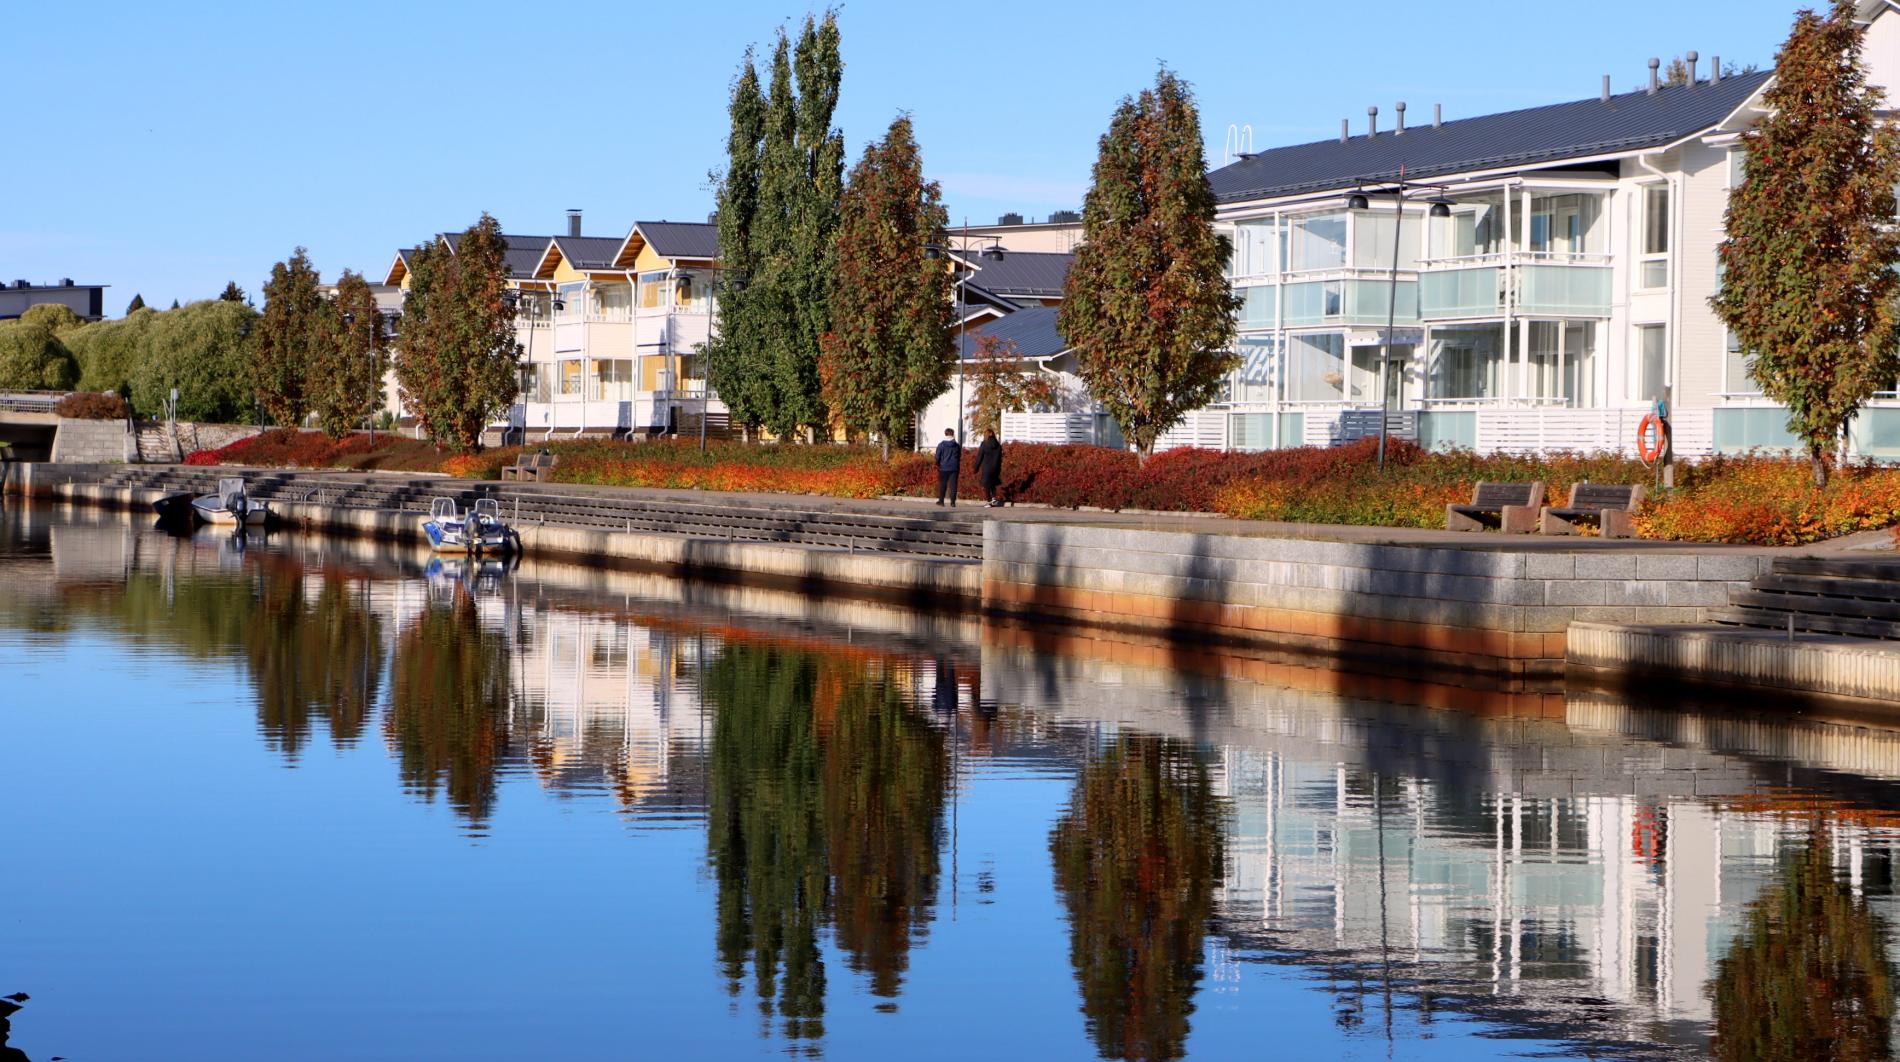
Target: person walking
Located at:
point(949, 463)
point(989, 467)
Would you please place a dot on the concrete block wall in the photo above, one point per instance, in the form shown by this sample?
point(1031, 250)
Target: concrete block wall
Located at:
point(91, 441)
point(1488, 609)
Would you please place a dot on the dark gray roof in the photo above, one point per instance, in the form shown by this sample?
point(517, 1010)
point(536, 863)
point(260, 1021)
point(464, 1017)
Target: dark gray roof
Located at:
point(589, 252)
point(1031, 273)
point(1033, 330)
point(523, 255)
point(1560, 131)
point(681, 239)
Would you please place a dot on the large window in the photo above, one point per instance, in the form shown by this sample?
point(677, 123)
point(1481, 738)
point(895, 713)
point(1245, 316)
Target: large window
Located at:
point(1319, 242)
point(1257, 247)
point(610, 302)
point(1475, 228)
point(570, 376)
point(1372, 239)
point(652, 295)
point(615, 378)
point(1468, 361)
point(1253, 380)
point(1652, 362)
point(1654, 268)
point(571, 296)
point(1316, 369)
point(1560, 362)
point(1566, 223)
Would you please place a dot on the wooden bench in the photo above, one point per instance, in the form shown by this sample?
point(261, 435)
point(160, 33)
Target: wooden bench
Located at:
point(1510, 507)
point(1610, 505)
point(536, 467)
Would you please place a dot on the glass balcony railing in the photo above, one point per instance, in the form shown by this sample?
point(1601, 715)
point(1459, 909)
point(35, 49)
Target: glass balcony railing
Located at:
point(1564, 290)
point(1349, 302)
point(1451, 293)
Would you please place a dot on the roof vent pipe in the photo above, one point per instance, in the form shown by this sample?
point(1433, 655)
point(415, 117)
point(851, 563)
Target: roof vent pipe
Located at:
point(1691, 58)
point(1372, 121)
point(573, 223)
point(1606, 88)
point(1400, 130)
point(1715, 69)
point(1345, 129)
point(1438, 115)
point(1653, 64)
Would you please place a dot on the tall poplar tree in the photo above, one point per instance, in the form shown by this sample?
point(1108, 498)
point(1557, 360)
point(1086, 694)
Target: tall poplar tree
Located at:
point(1808, 281)
point(888, 353)
point(290, 335)
point(346, 379)
point(456, 362)
point(137, 304)
point(785, 170)
point(1146, 306)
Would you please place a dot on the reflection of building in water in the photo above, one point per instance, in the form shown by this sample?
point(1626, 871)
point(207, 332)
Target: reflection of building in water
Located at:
point(603, 701)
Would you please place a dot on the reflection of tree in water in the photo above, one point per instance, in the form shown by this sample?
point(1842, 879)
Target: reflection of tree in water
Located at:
point(1808, 977)
point(311, 658)
point(827, 797)
point(1137, 854)
point(448, 706)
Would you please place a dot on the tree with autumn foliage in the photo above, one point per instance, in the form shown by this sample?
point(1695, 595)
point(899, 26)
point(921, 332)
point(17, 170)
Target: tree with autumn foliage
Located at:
point(888, 352)
point(1147, 307)
point(290, 335)
point(346, 379)
point(1000, 382)
point(456, 359)
point(1808, 281)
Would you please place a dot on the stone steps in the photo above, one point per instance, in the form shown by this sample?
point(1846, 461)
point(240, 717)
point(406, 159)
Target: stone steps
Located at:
point(1859, 597)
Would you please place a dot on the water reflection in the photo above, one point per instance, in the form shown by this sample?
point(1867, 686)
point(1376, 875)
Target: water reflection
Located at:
point(448, 706)
point(1809, 975)
point(827, 799)
point(1137, 855)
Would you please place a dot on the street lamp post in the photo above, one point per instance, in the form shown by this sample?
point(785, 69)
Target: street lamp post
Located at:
point(1440, 208)
point(994, 253)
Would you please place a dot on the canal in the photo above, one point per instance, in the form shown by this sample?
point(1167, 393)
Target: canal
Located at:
point(305, 798)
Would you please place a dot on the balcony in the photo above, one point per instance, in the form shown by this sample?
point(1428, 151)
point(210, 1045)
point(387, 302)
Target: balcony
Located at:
point(1353, 301)
point(1445, 294)
point(1564, 290)
point(1576, 286)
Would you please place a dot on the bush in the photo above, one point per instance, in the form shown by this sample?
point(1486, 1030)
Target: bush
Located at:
point(33, 359)
point(91, 405)
point(1771, 502)
point(107, 351)
point(200, 350)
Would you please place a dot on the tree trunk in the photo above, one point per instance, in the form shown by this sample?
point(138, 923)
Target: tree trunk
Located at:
point(1817, 461)
point(886, 438)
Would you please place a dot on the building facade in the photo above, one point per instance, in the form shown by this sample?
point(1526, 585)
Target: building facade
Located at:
point(86, 300)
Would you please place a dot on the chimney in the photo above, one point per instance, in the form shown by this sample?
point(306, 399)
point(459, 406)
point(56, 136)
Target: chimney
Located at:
point(1691, 58)
point(1653, 64)
point(65, 282)
point(1715, 69)
point(1438, 115)
point(1606, 88)
point(1400, 130)
point(573, 223)
point(1372, 121)
point(1345, 130)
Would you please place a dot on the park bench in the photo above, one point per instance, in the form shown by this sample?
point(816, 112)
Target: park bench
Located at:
point(1510, 507)
point(1610, 505)
point(538, 468)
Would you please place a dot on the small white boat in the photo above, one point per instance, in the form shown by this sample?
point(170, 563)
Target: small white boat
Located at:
point(230, 505)
point(480, 530)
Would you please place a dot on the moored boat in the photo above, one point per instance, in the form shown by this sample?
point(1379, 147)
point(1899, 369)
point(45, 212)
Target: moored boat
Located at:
point(480, 530)
point(230, 506)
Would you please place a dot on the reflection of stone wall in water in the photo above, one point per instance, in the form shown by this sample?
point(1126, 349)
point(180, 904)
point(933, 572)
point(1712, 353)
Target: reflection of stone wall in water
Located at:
point(1137, 857)
point(1809, 976)
point(826, 809)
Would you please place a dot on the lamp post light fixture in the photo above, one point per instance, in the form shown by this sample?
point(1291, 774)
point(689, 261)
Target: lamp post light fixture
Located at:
point(1440, 208)
point(993, 253)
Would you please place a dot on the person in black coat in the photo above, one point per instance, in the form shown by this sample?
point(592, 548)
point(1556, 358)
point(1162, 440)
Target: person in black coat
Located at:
point(989, 467)
point(949, 464)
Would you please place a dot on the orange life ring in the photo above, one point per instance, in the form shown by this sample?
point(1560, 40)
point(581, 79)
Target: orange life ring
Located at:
point(1648, 453)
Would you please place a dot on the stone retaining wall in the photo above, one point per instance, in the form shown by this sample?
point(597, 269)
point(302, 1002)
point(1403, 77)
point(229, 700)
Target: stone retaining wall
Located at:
point(1491, 609)
point(92, 441)
point(1764, 662)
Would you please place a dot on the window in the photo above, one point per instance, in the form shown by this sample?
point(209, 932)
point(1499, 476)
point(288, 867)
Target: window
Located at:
point(652, 295)
point(616, 379)
point(1566, 224)
point(1317, 369)
point(1468, 361)
point(1560, 362)
point(1652, 362)
point(1363, 380)
point(534, 307)
point(1737, 159)
point(610, 302)
point(1655, 246)
point(1475, 228)
point(692, 291)
point(1253, 381)
point(570, 376)
point(572, 298)
point(1319, 242)
point(1372, 239)
point(1256, 247)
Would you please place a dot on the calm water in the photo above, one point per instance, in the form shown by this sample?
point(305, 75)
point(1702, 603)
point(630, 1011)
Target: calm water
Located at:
point(309, 799)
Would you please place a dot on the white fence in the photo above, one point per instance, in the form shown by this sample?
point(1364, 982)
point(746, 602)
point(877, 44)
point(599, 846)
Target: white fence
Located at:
point(1057, 428)
point(1530, 431)
point(1206, 429)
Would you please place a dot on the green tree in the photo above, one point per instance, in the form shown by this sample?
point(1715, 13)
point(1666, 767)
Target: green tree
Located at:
point(174, 304)
point(1808, 283)
point(233, 293)
point(297, 325)
point(783, 235)
point(889, 350)
point(32, 358)
point(108, 351)
point(456, 358)
point(137, 304)
point(1147, 307)
point(1137, 855)
point(203, 350)
point(52, 316)
point(346, 379)
point(1808, 976)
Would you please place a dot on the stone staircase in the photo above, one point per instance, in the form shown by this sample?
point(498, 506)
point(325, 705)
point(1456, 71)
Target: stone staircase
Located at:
point(155, 444)
point(1855, 596)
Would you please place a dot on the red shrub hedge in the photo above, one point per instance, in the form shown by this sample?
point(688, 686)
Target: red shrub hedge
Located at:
point(92, 405)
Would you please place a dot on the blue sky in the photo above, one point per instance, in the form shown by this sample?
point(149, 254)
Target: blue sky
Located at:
point(166, 148)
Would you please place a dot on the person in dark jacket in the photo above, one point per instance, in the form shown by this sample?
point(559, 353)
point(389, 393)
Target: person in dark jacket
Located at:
point(949, 463)
point(989, 467)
